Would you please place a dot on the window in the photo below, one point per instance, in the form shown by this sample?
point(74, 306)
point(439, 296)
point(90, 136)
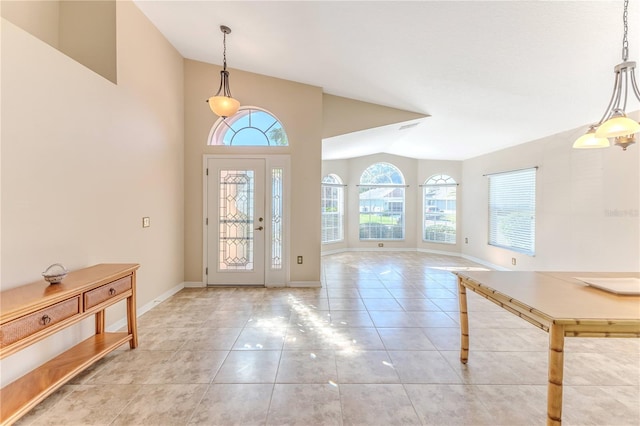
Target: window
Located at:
point(512, 210)
point(439, 203)
point(381, 192)
point(332, 209)
point(250, 126)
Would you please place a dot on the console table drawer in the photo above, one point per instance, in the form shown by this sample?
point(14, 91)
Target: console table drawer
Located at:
point(97, 296)
point(23, 327)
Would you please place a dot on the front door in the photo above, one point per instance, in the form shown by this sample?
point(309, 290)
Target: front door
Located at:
point(236, 221)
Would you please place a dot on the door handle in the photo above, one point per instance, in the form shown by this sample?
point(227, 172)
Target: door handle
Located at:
point(259, 228)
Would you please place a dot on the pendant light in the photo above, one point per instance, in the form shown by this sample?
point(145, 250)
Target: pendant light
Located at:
point(614, 123)
point(222, 103)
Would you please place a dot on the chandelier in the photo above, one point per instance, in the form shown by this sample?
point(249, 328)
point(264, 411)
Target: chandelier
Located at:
point(222, 103)
point(614, 123)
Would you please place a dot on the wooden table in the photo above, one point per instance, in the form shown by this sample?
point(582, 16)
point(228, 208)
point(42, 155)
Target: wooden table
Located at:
point(558, 304)
point(33, 312)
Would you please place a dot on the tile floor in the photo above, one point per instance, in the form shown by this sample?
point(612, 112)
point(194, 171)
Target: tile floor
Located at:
point(377, 345)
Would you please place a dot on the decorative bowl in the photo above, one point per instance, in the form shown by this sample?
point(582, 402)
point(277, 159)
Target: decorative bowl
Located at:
point(55, 273)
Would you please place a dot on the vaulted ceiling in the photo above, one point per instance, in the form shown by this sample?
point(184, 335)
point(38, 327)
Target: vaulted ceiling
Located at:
point(490, 74)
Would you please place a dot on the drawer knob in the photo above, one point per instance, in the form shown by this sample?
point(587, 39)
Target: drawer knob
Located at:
point(46, 319)
point(112, 291)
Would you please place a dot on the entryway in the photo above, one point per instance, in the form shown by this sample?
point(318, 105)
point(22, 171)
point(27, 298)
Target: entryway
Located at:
point(244, 220)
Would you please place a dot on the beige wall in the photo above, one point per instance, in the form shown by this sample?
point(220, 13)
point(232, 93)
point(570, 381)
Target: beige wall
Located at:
point(83, 160)
point(88, 35)
point(587, 204)
point(39, 18)
point(344, 115)
point(299, 109)
point(83, 30)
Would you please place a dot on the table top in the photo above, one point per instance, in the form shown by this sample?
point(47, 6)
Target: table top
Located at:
point(558, 296)
point(15, 301)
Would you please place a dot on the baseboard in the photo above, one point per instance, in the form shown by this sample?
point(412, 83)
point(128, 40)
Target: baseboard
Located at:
point(194, 284)
point(118, 325)
point(442, 252)
point(335, 251)
point(485, 263)
point(303, 284)
point(381, 249)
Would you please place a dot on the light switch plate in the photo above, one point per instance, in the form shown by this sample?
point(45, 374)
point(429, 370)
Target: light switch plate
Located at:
point(146, 222)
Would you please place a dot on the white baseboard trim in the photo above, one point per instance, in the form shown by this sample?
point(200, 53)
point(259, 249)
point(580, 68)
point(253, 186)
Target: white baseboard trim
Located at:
point(485, 263)
point(442, 252)
point(146, 307)
point(381, 249)
point(335, 251)
point(421, 250)
point(307, 284)
point(194, 284)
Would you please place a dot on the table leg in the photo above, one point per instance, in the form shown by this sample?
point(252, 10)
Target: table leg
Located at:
point(556, 366)
point(132, 320)
point(464, 322)
point(100, 322)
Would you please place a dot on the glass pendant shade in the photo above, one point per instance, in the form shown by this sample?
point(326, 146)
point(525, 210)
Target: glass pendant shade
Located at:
point(590, 140)
point(618, 125)
point(224, 106)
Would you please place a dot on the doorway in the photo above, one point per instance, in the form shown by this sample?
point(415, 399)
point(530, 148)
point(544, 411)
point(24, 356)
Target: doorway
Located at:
point(244, 221)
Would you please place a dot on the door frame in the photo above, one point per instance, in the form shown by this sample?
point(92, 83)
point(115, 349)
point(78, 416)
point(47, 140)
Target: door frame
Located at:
point(272, 277)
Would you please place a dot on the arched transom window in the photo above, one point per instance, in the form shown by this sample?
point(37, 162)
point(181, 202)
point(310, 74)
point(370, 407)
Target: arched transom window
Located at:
point(439, 201)
point(382, 196)
point(250, 126)
point(332, 209)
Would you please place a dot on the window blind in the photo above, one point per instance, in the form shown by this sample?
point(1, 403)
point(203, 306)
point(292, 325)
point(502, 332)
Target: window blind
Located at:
point(512, 210)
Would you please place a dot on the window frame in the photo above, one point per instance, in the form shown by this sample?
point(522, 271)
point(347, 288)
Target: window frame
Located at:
point(223, 125)
point(383, 182)
point(508, 192)
point(336, 188)
point(439, 181)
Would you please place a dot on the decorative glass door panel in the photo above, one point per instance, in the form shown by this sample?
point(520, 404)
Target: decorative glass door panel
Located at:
point(236, 219)
point(236, 225)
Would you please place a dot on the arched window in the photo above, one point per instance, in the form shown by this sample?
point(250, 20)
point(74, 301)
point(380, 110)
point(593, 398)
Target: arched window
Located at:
point(332, 209)
point(250, 126)
point(439, 201)
point(382, 193)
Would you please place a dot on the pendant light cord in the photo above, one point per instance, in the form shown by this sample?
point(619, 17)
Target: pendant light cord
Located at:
point(224, 47)
point(625, 41)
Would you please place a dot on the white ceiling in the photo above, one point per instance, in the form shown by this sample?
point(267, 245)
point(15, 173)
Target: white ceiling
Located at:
point(491, 74)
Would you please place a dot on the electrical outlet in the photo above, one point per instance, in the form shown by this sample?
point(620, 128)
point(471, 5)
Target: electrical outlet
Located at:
point(466, 241)
point(513, 261)
point(146, 222)
point(299, 260)
point(380, 244)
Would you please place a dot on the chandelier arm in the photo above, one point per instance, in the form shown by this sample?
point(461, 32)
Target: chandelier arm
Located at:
point(612, 101)
point(227, 91)
point(634, 84)
point(221, 83)
point(624, 89)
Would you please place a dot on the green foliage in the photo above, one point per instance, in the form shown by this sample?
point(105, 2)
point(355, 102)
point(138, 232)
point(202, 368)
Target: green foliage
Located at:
point(278, 136)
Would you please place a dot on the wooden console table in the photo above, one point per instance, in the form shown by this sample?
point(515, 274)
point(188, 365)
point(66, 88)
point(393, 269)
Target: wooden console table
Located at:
point(558, 304)
point(35, 311)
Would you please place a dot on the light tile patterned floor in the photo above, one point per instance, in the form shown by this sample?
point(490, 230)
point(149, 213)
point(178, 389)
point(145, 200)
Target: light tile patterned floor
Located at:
point(377, 345)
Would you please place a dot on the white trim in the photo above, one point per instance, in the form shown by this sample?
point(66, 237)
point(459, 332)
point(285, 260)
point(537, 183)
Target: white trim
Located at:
point(381, 249)
point(194, 284)
point(303, 284)
point(446, 253)
point(485, 263)
point(421, 250)
point(271, 160)
point(335, 251)
point(146, 307)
